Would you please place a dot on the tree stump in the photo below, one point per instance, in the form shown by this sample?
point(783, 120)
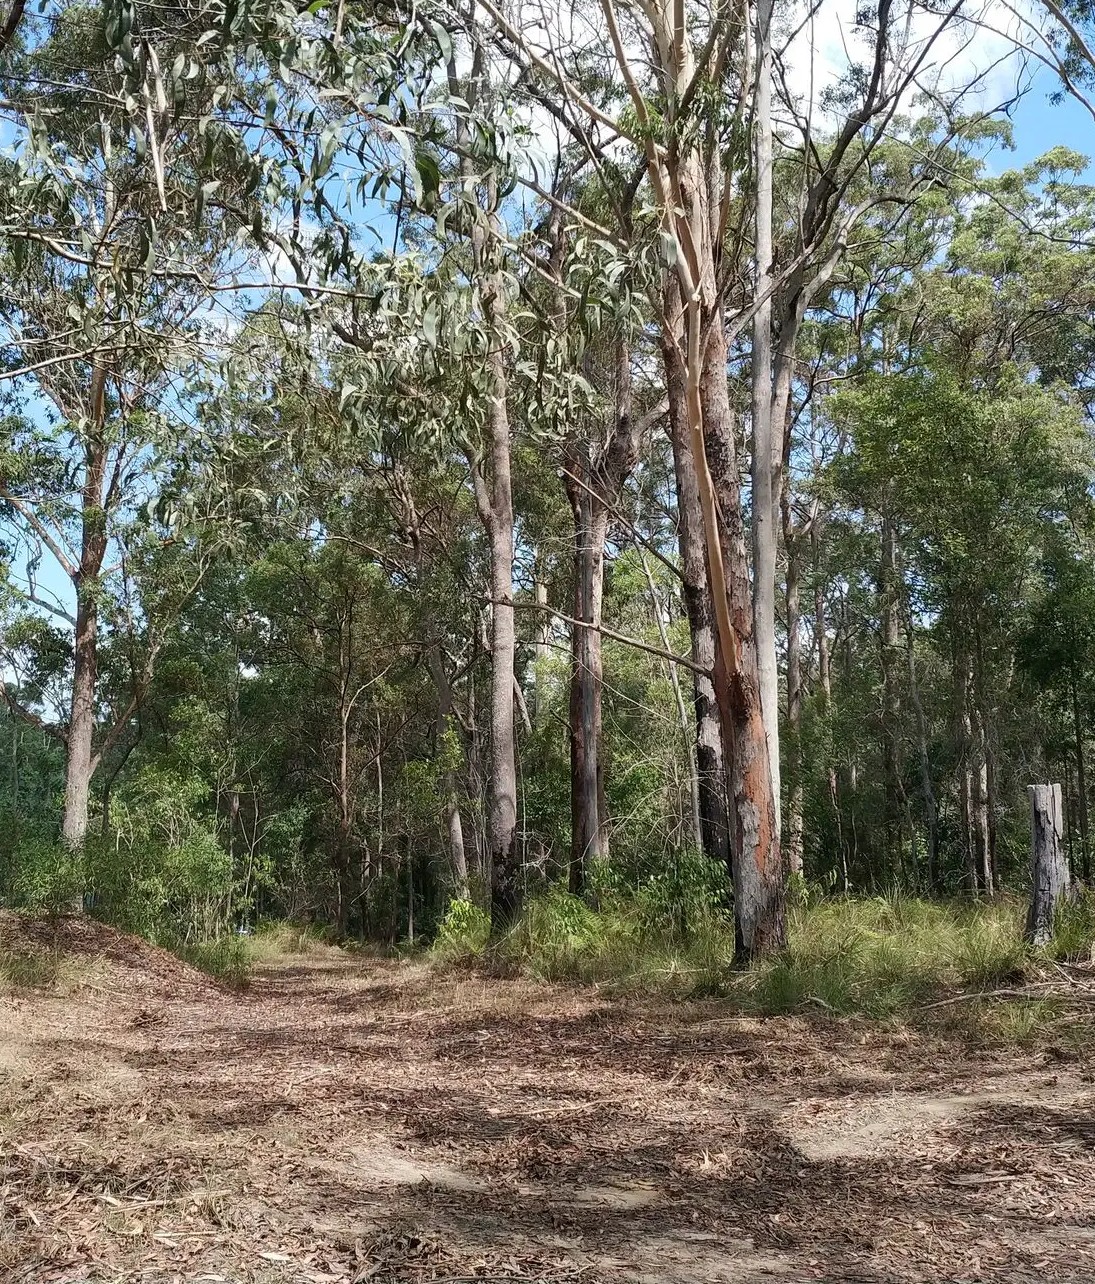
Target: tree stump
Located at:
point(1050, 880)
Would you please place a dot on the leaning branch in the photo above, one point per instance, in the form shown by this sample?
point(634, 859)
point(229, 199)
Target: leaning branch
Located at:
point(610, 633)
point(67, 564)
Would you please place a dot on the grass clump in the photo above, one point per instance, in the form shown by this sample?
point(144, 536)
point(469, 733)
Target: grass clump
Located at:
point(30, 969)
point(232, 959)
point(884, 956)
point(227, 959)
point(623, 945)
point(1074, 930)
point(272, 942)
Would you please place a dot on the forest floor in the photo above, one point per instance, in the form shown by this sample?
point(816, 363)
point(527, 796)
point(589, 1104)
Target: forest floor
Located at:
point(350, 1119)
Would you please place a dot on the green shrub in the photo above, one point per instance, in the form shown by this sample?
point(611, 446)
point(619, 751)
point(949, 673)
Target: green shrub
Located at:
point(161, 890)
point(672, 897)
point(46, 877)
point(463, 931)
point(554, 932)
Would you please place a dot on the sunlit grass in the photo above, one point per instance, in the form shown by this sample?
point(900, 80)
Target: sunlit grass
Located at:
point(274, 941)
point(883, 956)
point(891, 958)
point(227, 959)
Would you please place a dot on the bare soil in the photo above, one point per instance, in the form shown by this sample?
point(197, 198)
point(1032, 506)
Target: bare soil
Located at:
point(352, 1119)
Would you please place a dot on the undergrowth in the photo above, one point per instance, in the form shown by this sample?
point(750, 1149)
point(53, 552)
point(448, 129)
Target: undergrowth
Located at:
point(888, 957)
point(274, 941)
point(232, 959)
point(227, 959)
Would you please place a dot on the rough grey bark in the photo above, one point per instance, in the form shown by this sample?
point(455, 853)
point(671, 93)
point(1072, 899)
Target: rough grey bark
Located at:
point(1050, 880)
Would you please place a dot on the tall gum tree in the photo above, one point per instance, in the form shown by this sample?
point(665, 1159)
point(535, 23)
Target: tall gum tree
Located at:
point(108, 223)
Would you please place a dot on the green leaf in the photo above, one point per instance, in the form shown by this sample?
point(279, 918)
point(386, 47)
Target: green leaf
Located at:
point(429, 324)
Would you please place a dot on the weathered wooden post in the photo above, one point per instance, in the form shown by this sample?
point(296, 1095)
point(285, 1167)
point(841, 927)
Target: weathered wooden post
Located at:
point(1049, 865)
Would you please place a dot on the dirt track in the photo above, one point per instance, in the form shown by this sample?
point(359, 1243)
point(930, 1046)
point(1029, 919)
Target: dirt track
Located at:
point(350, 1120)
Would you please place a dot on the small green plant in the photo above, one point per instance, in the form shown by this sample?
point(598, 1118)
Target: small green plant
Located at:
point(463, 932)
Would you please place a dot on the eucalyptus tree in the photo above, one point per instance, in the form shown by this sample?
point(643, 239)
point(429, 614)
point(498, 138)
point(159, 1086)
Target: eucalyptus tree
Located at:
point(869, 163)
point(106, 227)
point(154, 194)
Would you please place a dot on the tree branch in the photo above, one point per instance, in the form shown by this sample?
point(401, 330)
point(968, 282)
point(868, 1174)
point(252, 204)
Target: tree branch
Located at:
point(611, 633)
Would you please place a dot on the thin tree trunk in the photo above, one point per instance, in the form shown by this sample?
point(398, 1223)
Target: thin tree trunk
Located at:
point(889, 642)
point(825, 688)
point(80, 762)
point(973, 785)
point(767, 453)
point(682, 712)
point(931, 807)
point(586, 676)
point(495, 504)
point(693, 325)
point(1081, 784)
point(454, 824)
point(794, 838)
point(541, 651)
point(967, 803)
point(505, 887)
point(81, 727)
point(759, 882)
point(594, 481)
point(711, 769)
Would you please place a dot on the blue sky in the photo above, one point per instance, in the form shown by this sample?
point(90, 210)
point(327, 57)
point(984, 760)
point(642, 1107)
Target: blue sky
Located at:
point(1040, 124)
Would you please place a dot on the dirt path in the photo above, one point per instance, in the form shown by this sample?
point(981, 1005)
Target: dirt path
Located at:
point(364, 1121)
